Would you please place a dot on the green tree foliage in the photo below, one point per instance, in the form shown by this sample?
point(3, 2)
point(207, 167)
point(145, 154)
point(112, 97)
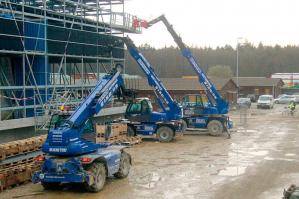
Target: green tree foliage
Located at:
point(253, 60)
point(220, 71)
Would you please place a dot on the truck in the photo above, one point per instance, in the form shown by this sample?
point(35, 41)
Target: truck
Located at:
point(212, 114)
point(142, 119)
point(71, 154)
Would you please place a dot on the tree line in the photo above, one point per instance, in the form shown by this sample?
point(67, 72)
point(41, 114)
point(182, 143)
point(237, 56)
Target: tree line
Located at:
point(256, 61)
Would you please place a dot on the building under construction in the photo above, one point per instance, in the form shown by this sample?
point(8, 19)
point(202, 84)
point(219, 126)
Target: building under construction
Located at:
point(54, 50)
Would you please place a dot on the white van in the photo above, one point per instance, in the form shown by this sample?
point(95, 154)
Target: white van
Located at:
point(265, 101)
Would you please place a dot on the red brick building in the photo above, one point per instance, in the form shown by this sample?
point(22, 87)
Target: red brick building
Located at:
point(179, 87)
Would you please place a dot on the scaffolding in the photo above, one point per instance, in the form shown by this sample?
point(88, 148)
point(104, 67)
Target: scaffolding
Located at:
point(48, 47)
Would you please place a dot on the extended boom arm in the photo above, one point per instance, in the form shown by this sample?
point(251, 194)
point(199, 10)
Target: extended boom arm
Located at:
point(212, 93)
point(66, 138)
point(165, 100)
point(97, 99)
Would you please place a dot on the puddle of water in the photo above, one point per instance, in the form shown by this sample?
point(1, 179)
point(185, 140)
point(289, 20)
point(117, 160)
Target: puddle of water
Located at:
point(288, 159)
point(280, 133)
point(290, 154)
point(283, 159)
point(269, 158)
point(251, 131)
point(148, 181)
point(259, 153)
point(247, 131)
point(249, 153)
point(232, 171)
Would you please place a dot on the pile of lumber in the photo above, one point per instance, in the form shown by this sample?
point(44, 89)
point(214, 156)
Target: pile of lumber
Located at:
point(16, 166)
point(115, 133)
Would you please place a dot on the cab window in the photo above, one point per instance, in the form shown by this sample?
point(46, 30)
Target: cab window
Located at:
point(135, 108)
point(140, 107)
point(193, 100)
point(146, 107)
point(88, 126)
point(57, 120)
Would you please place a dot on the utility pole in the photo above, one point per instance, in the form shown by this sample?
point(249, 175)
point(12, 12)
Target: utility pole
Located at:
point(237, 65)
point(237, 68)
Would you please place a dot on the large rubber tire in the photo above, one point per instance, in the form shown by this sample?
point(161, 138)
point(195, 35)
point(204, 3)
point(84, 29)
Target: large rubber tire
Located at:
point(184, 126)
point(125, 166)
point(215, 128)
point(165, 134)
point(51, 185)
point(98, 170)
point(130, 132)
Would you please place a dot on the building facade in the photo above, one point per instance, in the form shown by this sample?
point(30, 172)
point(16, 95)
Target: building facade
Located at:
point(259, 86)
point(50, 47)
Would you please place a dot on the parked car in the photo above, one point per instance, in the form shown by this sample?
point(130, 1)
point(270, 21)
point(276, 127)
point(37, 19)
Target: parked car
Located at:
point(265, 101)
point(253, 97)
point(244, 102)
point(285, 99)
point(296, 99)
point(279, 96)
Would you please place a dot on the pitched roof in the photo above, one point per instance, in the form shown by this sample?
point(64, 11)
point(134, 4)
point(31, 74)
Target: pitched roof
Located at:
point(258, 81)
point(175, 83)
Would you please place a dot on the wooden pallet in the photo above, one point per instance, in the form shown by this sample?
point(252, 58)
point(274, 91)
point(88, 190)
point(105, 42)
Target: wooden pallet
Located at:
point(19, 167)
point(121, 139)
point(132, 140)
point(110, 139)
point(17, 175)
point(17, 163)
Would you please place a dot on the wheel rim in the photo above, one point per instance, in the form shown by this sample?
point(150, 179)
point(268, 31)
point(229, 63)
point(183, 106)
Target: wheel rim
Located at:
point(215, 129)
point(164, 135)
point(100, 178)
point(184, 126)
point(126, 165)
point(130, 132)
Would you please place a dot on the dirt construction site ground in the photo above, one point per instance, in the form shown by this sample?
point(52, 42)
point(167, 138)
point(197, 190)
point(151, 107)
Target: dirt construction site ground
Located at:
point(259, 161)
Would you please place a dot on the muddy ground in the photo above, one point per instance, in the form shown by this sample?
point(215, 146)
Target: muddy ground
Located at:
point(259, 161)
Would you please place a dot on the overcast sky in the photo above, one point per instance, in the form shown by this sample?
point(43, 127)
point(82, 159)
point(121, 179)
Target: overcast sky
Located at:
point(219, 22)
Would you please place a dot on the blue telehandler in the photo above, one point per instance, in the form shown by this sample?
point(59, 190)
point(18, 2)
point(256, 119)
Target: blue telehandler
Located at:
point(142, 119)
point(72, 156)
point(198, 113)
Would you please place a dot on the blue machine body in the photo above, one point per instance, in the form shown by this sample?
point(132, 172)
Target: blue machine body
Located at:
point(71, 169)
point(66, 144)
point(66, 139)
point(147, 123)
point(217, 108)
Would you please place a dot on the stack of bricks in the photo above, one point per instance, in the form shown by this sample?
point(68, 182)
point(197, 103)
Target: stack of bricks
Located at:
point(19, 171)
point(111, 132)
point(14, 148)
point(115, 133)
